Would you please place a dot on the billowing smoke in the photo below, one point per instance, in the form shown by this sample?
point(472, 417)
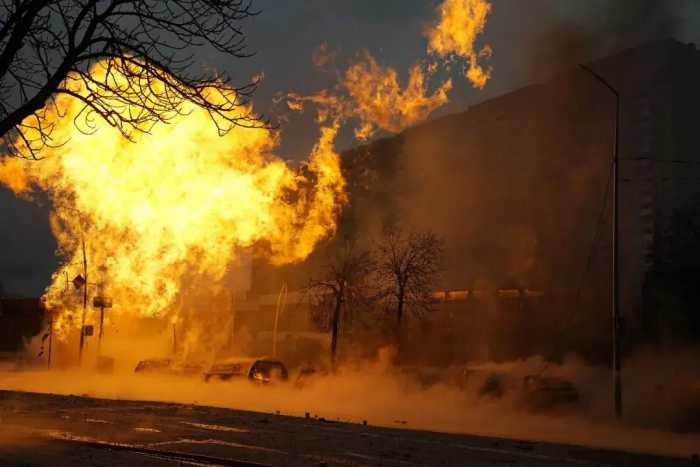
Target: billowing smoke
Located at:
point(440, 399)
point(538, 39)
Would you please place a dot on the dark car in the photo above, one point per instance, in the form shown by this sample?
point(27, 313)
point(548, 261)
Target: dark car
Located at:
point(486, 382)
point(258, 370)
point(153, 365)
point(169, 366)
point(546, 392)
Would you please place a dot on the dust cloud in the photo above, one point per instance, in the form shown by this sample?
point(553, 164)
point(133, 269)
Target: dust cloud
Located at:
point(458, 399)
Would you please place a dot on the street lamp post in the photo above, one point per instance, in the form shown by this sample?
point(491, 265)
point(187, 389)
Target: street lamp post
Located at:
point(616, 317)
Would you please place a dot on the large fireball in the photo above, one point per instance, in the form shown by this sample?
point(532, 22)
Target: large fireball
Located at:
point(175, 204)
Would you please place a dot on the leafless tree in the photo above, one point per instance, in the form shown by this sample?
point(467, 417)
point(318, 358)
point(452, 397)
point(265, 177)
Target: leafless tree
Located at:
point(344, 284)
point(47, 48)
point(407, 266)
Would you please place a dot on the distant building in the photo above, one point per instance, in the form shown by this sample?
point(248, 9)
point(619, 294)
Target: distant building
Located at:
point(516, 186)
point(660, 167)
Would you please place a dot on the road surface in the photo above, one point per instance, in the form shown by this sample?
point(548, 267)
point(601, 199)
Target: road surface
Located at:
point(51, 430)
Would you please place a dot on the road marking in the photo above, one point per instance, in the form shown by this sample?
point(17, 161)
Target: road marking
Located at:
point(218, 442)
point(197, 459)
point(146, 430)
point(216, 427)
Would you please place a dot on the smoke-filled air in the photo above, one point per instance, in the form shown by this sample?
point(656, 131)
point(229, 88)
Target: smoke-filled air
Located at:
point(512, 271)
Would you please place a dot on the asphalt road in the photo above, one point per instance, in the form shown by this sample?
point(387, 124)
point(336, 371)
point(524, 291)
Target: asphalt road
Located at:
point(49, 430)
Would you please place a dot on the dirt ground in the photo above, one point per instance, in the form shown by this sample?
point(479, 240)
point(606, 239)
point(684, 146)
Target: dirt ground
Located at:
point(51, 430)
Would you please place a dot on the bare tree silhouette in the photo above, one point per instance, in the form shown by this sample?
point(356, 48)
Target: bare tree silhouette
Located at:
point(344, 284)
point(407, 267)
point(48, 47)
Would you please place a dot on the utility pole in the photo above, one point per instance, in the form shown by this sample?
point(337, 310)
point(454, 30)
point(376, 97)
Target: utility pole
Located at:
point(616, 316)
point(232, 335)
point(101, 301)
point(281, 303)
point(48, 360)
point(102, 322)
point(85, 293)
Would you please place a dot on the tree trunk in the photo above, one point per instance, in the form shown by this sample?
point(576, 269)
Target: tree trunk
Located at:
point(399, 316)
point(334, 329)
point(399, 309)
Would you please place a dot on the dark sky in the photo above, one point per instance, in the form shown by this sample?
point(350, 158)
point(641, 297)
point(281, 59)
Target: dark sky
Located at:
point(532, 40)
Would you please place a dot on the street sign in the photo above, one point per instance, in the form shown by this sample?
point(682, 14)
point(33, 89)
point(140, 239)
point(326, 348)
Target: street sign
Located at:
point(79, 281)
point(100, 301)
point(88, 330)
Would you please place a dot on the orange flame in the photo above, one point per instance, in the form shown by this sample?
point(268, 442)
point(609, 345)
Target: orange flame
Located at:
point(173, 206)
point(379, 100)
point(460, 23)
point(374, 96)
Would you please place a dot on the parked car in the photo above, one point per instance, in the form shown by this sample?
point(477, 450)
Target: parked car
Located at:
point(153, 365)
point(486, 382)
point(169, 366)
point(258, 370)
point(546, 392)
point(533, 391)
